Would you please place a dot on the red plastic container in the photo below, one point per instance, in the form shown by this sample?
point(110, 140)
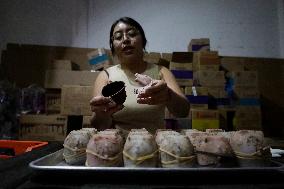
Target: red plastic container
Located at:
point(19, 147)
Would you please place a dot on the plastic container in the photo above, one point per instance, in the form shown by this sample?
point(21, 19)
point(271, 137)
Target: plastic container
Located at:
point(12, 148)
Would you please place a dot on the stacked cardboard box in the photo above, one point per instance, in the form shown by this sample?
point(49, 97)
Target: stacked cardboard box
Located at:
point(52, 101)
point(152, 57)
point(248, 109)
point(99, 59)
point(206, 60)
point(75, 100)
point(60, 65)
point(210, 78)
point(165, 60)
point(55, 79)
point(204, 119)
point(218, 97)
point(202, 44)
point(206, 66)
point(247, 96)
point(167, 56)
point(244, 78)
point(206, 74)
point(232, 64)
point(244, 94)
point(197, 96)
point(181, 67)
point(247, 117)
point(68, 93)
point(199, 69)
point(43, 127)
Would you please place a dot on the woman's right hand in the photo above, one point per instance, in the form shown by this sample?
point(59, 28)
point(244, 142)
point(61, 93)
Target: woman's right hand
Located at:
point(104, 105)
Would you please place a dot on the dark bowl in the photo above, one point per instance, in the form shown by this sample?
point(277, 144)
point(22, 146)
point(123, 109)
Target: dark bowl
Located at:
point(116, 91)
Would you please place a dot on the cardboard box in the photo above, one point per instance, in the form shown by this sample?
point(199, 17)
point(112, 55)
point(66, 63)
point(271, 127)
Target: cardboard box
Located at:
point(243, 124)
point(182, 57)
point(244, 78)
point(199, 106)
point(248, 117)
point(202, 99)
point(99, 59)
point(75, 100)
point(206, 60)
point(52, 101)
point(217, 92)
point(209, 78)
point(198, 101)
point(207, 67)
point(152, 57)
point(246, 92)
point(167, 56)
point(218, 97)
point(164, 62)
point(207, 54)
point(43, 127)
point(204, 114)
point(180, 66)
point(196, 91)
point(202, 44)
point(246, 112)
point(204, 119)
point(232, 64)
point(184, 82)
point(55, 79)
point(257, 65)
point(60, 65)
point(197, 96)
point(182, 74)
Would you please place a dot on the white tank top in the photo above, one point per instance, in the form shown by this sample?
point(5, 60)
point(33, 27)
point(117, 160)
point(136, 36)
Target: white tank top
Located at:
point(134, 115)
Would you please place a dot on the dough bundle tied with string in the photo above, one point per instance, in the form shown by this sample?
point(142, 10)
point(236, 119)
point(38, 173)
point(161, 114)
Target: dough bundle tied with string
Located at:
point(140, 149)
point(105, 149)
point(175, 149)
point(74, 152)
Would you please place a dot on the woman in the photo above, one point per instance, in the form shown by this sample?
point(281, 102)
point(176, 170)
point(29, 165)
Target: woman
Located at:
point(144, 109)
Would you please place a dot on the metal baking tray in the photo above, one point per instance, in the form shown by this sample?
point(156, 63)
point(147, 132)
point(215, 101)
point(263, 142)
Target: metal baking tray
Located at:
point(53, 164)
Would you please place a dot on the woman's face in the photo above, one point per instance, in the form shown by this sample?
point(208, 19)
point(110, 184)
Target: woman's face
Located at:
point(127, 41)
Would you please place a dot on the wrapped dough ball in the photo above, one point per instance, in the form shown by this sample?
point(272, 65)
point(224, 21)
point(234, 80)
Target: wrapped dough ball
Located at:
point(189, 131)
point(74, 152)
point(250, 148)
point(220, 132)
point(90, 131)
point(211, 149)
point(214, 131)
point(176, 151)
point(143, 79)
point(140, 149)
point(227, 134)
point(105, 149)
point(162, 133)
point(194, 136)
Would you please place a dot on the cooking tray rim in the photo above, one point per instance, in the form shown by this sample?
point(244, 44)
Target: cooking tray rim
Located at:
point(35, 166)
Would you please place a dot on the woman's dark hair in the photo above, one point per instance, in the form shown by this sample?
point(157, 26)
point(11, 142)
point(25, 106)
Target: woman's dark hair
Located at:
point(130, 22)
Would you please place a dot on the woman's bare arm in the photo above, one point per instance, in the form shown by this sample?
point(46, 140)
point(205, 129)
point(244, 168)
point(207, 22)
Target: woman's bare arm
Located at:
point(177, 104)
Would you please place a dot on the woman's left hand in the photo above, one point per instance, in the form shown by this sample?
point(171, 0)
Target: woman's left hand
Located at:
point(155, 93)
